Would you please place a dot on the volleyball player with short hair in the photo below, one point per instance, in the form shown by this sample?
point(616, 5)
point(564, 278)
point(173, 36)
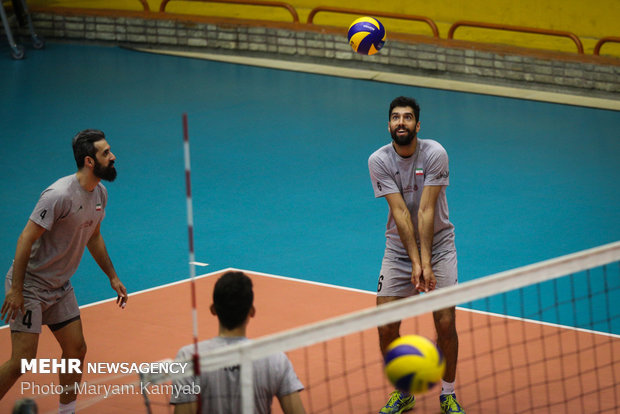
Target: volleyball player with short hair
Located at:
point(66, 220)
point(412, 175)
point(233, 304)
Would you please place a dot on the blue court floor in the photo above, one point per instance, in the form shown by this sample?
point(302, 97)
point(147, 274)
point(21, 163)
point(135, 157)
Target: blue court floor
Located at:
point(279, 167)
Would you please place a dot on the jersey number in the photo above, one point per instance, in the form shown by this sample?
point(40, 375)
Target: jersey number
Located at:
point(380, 285)
point(27, 321)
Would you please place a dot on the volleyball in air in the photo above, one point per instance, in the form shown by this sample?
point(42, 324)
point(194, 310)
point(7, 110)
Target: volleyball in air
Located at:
point(366, 35)
point(414, 364)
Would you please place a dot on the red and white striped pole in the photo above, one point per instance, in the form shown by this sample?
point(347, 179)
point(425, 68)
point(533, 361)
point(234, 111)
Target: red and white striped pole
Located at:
point(192, 256)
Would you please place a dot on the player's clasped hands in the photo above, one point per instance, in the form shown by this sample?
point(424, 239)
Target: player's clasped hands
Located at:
point(423, 279)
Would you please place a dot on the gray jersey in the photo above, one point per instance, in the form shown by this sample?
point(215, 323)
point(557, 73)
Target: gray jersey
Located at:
point(220, 391)
point(70, 214)
point(390, 173)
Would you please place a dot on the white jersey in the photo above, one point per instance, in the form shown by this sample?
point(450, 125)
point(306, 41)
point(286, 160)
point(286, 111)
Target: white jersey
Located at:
point(70, 214)
point(220, 391)
point(390, 173)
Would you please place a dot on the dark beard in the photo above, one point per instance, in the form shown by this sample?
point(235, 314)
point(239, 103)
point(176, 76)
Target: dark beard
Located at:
point(404, 140)
point(105, 173)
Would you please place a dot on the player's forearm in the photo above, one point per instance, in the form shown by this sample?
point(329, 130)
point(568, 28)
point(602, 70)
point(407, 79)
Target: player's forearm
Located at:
point(291, 404)
point(22, 255)
point(426, 229)
point(187, 408)
point(97, 249)
point(406, 231)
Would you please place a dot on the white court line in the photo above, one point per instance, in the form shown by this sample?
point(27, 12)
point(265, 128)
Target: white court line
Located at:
point(309, 282)
point(543, 323)
point(178, 282)
point(410, 80)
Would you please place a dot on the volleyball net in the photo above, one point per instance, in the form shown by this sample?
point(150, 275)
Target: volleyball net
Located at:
point(540, 338)
point(543, 338)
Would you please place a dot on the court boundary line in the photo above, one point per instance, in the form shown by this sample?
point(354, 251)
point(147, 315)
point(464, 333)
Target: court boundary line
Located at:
point(349, 289)
point(154, 288)
point(165, 285)
point(205, 275)
point(401, 79)
point(549, 324)
point(227, 269)
point(310, 282)
point(477, 311)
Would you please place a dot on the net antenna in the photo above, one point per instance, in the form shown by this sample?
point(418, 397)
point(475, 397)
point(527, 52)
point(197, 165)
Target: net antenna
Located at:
point(192, 265)
point(192, 255)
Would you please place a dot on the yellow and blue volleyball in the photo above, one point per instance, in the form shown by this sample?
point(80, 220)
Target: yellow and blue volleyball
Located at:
point(366, 35)
point(414, 364)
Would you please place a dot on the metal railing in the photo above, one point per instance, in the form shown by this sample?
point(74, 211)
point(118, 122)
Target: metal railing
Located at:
point(602, 41)
point(277, 4)
point(162, 13)
point(357, 12)
point(521, 29)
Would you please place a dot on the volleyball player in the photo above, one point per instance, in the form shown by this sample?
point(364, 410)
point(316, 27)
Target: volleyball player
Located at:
point(420, 254)
point(66, 220)
point(233, 304)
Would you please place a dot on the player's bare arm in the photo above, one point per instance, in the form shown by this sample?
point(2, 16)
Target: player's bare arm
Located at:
point(291, 404)
point(14, 298)
point(186, 408)
point(96, 247)
point(426, 229)
point(406, 231)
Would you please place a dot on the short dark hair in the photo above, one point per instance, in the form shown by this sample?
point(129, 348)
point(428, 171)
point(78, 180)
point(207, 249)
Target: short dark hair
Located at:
point(84, 145)
point(233, 298)
point(405, 101)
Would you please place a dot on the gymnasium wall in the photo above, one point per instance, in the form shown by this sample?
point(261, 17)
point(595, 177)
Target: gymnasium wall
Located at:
point(590, 21)
point(554, 69)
